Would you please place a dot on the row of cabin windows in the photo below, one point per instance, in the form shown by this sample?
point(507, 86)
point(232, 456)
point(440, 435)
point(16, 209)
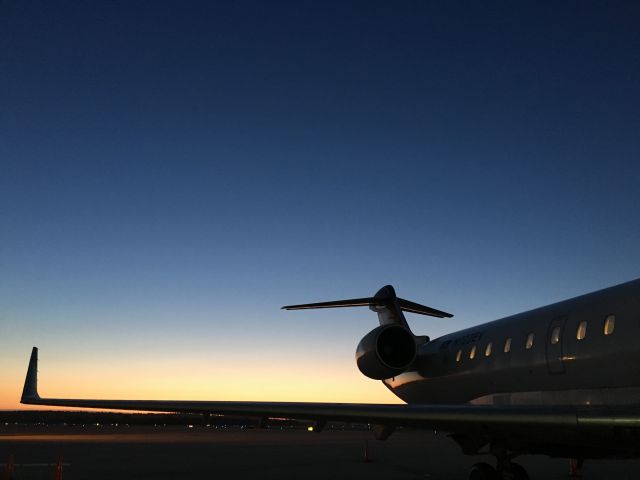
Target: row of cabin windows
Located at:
point(581, 333)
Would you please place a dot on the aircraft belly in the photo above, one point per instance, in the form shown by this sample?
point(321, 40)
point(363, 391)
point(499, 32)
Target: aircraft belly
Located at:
point(623, 396)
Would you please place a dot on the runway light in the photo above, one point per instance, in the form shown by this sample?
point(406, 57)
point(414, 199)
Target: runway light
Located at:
point(309, 429)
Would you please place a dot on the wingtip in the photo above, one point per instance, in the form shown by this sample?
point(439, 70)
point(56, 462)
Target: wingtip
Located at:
point(30, 390)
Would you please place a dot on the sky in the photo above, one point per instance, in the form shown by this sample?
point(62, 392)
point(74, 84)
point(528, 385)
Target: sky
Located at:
point(172, 173)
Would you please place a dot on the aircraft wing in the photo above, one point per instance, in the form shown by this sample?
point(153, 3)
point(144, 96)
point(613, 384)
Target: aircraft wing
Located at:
point(448, 418)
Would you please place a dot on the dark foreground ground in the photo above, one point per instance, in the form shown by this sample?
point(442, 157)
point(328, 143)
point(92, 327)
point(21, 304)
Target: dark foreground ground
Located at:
point(97, 453)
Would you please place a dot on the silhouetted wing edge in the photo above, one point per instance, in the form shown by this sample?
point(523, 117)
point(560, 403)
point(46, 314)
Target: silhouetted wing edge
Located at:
point(450, 418)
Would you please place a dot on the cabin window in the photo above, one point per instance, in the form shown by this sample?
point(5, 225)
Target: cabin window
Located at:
point(529, 343)
point(472, 353)
point(555, 335)
point(458, 355)
point(609, 324)
point(507, 345)
point(582, 330)
point(487, 349)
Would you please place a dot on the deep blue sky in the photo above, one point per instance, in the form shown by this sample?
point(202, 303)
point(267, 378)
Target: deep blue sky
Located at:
point(174, 172)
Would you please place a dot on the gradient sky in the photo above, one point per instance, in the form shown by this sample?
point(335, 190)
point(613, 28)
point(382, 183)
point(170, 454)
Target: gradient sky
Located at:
point(171, 173)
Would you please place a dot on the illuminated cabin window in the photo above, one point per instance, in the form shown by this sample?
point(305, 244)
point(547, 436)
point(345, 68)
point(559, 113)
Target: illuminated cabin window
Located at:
point(472, 353)
point(609, 324)
point(555, 335)
point(458, 355)
point(582, 330)
point(529, 342)
point(487, 349)
point(507, 345)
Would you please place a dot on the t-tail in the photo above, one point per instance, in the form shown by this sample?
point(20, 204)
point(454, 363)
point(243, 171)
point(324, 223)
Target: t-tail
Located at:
point(385, 303)
point(391, 348)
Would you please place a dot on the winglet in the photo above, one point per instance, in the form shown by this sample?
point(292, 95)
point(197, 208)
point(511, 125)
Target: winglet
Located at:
point(30, 390)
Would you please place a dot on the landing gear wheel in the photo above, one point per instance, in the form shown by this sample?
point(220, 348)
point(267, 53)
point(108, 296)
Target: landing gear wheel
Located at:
point(483, 471)
point(517, 472)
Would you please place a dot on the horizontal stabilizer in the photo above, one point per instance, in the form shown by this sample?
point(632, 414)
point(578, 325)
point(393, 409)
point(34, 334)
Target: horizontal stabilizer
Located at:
point(384, 298)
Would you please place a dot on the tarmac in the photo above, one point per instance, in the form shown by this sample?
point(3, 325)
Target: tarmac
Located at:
point(201, 452)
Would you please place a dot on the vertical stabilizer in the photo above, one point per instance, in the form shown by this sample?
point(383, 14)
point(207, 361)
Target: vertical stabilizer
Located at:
point(30, 390)
point(388, 308)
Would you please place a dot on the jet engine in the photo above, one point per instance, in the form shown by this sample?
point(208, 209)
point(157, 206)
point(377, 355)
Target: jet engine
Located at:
point(386, 351)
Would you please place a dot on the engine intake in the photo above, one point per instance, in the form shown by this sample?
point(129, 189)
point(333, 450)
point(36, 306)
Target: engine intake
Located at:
point(386, 351)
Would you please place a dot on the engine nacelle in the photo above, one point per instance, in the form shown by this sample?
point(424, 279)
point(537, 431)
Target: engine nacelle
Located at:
point(386, 351)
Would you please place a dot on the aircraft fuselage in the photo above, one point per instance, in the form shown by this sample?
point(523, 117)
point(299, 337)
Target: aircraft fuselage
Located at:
point(567, 362)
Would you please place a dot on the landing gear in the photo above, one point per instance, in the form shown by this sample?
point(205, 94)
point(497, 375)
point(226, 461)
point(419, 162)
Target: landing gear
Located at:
point(516, 473)
point(505, 471)
point(505, 468)
point(483, 471)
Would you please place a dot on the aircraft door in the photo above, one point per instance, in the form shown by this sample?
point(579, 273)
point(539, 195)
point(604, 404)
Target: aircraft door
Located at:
point(553, 343)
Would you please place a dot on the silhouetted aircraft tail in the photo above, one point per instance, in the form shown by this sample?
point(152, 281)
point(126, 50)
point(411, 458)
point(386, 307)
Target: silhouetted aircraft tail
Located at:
point(385, 302)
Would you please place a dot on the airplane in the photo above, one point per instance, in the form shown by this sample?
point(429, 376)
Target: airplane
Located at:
point(561, 380)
